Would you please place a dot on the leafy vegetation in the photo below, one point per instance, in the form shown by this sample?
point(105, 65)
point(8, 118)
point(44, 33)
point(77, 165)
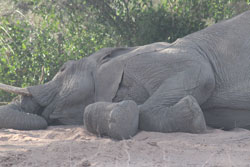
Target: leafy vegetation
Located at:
point(38, 36)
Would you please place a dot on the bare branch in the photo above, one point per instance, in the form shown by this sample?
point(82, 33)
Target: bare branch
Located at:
point(41, 79)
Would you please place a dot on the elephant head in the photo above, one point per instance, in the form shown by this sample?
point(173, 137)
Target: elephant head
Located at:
point(63, 99)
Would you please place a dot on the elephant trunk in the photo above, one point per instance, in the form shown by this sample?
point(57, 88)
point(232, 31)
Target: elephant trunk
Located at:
point(12, 117)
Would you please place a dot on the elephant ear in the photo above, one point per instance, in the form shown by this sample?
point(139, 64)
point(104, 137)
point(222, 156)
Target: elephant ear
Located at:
point(109, 73)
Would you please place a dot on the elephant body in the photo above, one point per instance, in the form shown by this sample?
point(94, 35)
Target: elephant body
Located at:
point(202, 77)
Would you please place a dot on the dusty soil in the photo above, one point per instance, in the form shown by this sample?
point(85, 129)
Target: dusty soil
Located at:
point(72, 146)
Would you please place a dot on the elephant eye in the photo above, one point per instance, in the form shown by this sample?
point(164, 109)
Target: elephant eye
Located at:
point(62, 69)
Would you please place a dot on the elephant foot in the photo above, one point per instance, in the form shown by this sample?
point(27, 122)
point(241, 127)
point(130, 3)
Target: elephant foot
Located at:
point(184, 116)
point(116, 120)
point(191, 114)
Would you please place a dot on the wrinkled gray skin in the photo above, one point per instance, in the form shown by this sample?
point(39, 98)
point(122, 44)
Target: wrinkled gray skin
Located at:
point(173, 85)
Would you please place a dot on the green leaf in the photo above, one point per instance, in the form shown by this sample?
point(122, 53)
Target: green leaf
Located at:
point(23, 46)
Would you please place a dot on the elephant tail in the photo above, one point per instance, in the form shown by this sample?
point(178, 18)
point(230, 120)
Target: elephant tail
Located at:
point(11, 118)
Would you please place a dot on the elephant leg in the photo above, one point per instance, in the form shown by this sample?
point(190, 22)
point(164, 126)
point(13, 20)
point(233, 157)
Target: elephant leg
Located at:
point(184, 116)
point(12, 117)
point(171, 109)
point(116, 120)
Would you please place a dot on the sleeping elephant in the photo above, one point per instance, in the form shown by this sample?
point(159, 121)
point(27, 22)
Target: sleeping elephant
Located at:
point(201, 79)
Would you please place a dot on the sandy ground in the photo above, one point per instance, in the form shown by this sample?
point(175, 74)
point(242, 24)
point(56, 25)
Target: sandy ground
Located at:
point(72, 146)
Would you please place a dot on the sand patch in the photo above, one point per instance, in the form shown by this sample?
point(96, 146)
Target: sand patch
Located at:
point(72, 146)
